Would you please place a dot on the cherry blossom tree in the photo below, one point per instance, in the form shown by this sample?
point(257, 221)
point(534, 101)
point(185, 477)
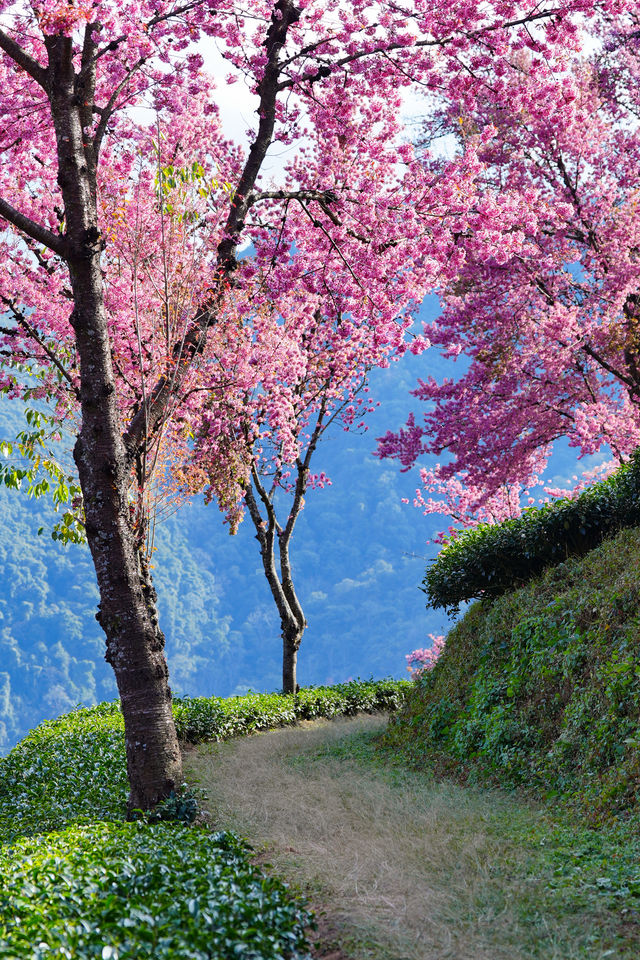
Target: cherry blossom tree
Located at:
point(317, 380)
point(548, 322)
point(371, 233)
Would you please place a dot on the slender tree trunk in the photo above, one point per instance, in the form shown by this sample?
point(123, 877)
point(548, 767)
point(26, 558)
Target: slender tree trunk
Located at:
point(292, 619)
point(127, 613)
point(294, 625)
point(291, 639)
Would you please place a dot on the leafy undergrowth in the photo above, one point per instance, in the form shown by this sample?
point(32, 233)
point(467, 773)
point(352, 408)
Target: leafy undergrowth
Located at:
point(541, 687)
point(212, 718)
point(77, 881)
point(540, 690)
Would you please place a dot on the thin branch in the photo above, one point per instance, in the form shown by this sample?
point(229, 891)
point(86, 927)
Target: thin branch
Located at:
point(264, 496)
point(159, 18)
point(33, 333)
point(266, 540)
point(193, 342)
point(633, 387)
point(325, 70)
point(105, 113)
point(316, 223)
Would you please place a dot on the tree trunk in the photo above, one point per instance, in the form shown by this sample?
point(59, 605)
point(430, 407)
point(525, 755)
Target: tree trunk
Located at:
point(292, 619)
point(135, 644)
point(127, 614)
point(291, 639)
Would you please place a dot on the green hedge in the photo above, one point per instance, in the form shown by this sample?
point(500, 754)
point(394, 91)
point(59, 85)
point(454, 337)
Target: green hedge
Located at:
point(493, 558)
point(77, 881)
point(213, 718)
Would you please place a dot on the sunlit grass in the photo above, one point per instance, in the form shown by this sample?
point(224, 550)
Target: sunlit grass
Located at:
point(408, 867)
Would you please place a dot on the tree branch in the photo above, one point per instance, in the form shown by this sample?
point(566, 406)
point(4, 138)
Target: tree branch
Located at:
point(325, 70)
point(322, 196)
point(284, 14)
point(23, 59)
point(266, 540)
point(159, 18)
point(33, 333)
point(105, 113)
point(633, 387)
point(34, 230)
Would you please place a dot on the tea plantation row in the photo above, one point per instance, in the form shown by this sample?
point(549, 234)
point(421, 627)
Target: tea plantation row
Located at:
point(77, 881)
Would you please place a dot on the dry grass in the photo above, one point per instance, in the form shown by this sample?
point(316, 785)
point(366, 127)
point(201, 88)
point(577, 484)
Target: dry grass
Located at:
point(403, 867)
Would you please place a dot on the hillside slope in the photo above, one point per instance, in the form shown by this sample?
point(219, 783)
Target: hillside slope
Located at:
point(541, 687)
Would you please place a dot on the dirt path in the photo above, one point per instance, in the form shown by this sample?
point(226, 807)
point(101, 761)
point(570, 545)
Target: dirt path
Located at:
point(403, 868)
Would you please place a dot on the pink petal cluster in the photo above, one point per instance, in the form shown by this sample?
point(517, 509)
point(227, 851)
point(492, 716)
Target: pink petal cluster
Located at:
point(545, 303)
point(420, 662)
point(347, 242)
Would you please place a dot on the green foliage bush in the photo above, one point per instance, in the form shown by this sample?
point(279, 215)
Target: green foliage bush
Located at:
point(215, 718)
point(77, 881)
point(541, 688)
point(129, 890)
point(492, 558)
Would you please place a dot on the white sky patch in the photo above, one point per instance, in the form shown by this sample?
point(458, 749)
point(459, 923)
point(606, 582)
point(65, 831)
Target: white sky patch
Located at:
point(367, 577)
point(238, 105)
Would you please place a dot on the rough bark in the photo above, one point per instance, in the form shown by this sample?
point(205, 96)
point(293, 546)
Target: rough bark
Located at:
point(127, 611)
point(291, 640)
point(293, 624)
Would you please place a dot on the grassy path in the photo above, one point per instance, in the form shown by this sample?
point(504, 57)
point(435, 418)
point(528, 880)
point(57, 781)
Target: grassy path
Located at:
point(402, 867)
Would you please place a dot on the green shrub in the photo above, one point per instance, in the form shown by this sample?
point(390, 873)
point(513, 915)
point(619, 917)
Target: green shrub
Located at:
point(121, 891)
point(181, 806)
point(212, 718)
point(77, 881)
point(541, 687)
point(494, 558)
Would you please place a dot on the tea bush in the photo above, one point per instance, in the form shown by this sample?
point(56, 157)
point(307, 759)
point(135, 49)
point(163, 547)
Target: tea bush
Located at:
point(214, 718)
point(129, 890)
point(78, 881)
point(493, 558)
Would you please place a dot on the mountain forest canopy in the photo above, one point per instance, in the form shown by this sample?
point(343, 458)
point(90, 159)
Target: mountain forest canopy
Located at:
point(163, 351)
